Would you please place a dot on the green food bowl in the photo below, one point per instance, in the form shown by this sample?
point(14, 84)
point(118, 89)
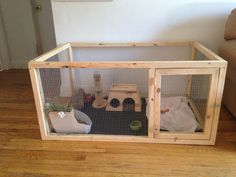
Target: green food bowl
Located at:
point(135, 125)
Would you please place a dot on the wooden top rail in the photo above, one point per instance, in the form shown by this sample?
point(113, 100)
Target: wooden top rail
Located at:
point(215, 60)
point(207, 52)
point(52, 52)
point(134, 44)
point(128, 64)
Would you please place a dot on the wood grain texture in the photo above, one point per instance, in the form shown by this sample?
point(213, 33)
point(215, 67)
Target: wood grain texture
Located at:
point(128, 64)
point(207, 52)
point(133, 44)
point(24, 154)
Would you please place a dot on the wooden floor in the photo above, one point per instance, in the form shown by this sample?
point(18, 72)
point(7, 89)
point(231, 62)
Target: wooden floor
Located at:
point(23, 154)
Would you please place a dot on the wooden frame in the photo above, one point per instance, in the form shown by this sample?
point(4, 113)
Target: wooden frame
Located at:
point(213, 66)
point(213, 72)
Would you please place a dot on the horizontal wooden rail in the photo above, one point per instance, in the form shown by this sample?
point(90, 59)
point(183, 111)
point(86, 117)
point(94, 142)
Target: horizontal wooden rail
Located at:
point(207, 52)
point(123, 138)
point(128, 64)
point(195, 71)
point(134, 44)
point(52, 52)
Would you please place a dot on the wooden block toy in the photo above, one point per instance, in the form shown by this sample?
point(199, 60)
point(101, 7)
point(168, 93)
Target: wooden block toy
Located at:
point(123, 95)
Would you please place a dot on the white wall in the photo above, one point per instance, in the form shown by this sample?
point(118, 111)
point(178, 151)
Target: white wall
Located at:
point(139, 21)
point(142, 20)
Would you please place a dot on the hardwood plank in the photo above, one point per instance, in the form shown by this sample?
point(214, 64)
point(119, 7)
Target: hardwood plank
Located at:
point(24, 154)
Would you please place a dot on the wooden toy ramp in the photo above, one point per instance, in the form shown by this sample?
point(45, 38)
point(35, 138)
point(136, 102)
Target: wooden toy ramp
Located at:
point(119, 94)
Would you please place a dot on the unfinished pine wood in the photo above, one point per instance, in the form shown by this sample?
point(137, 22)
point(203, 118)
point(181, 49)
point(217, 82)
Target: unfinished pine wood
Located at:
point(134, 44)
point(51, 53)
point(24, 154)
point(211, 103)
point(129, 64)
point(190, 71)
point(72, 71)
point(217, 106)
point(122, 92)
point(207, 52)
point(99, 101)
point(162, 68)
point(189, 89)
point(39, 101)
point(157, 103)
point(151, 103)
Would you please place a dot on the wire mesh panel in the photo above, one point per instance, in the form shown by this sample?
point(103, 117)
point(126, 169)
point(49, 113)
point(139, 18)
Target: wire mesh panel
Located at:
point(96, 101)
point(199, 95)
point(170, 100)
point(183, 102)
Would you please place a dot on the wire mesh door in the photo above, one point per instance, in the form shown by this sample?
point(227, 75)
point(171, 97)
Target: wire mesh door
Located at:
point(184, 103)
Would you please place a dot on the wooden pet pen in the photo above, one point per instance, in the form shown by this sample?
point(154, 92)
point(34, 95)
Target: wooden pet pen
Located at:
point(50, 73)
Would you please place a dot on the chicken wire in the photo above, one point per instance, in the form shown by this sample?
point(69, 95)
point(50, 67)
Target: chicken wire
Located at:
point(183, 106)
point(81, 94)
point(58, 88)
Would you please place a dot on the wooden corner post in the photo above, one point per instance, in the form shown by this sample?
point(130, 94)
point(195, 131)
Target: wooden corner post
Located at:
point(72, 71)
point(39, 101)
point(190, 77)
point(151, 102)
point(157, 117)
point(218, 99)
